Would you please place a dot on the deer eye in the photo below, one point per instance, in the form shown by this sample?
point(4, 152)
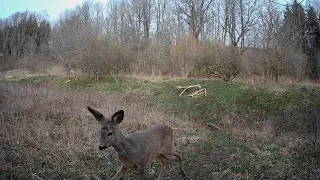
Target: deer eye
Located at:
point(110, 133)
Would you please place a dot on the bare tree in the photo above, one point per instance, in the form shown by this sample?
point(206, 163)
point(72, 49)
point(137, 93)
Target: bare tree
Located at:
point(161, 14)
point(72, 34)
point(196, 14)
point(146, 14)
point(239, 18)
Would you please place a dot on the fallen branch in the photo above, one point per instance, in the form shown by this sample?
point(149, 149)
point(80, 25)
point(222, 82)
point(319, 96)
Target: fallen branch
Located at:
point(199, 92)
point(36, 177)
point(188, 87)
point(197, 87)
point(212, 125)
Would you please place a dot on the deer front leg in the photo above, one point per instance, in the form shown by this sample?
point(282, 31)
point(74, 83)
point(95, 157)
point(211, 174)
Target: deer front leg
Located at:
point(120, 172)
point(164, 161)
point(141, 173)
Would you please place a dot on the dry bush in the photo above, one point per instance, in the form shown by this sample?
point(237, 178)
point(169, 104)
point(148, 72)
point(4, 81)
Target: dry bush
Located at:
point(209, 59)
point(219, 61)
point(153, 60)
point(295, 63)
point(185, 54)
point(252, 61)
point(105, 56)
point(49, 133)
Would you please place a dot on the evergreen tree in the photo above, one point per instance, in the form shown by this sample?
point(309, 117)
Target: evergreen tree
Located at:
point(301, 29)
point(294, 24)
point(23, 36)
point(312, 45)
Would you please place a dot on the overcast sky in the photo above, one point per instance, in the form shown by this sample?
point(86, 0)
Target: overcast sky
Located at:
point(52, 7)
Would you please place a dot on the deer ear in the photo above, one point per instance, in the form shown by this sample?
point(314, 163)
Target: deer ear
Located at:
point(96, 113)
point(117, 117)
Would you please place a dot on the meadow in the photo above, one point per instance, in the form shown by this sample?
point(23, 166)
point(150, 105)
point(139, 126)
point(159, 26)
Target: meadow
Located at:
point(267, 131)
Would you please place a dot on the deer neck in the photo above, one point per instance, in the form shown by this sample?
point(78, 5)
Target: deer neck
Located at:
point(122, 145)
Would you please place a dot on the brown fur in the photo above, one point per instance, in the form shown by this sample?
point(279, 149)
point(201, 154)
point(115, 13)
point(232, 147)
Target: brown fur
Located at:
point(139, 149)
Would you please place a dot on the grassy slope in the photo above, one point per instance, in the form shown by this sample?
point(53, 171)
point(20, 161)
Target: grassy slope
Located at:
point(244, 148)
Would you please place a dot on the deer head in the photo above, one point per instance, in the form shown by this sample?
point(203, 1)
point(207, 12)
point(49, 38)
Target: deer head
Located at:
point(108, 127)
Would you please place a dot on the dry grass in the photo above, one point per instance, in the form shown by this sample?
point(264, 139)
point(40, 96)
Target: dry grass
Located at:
point(51, 70)
point(50, 134)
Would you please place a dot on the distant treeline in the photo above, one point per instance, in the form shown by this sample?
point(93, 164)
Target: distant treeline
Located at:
point(205, 38)
point(24, 35)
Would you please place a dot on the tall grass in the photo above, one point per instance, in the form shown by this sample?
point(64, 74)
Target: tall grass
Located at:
point(49, 134)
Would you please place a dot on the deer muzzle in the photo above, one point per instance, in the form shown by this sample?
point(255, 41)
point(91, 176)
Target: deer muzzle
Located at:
point(102, 147)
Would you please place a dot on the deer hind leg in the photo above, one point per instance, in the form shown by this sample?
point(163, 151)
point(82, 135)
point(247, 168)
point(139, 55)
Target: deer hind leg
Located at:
point(120, 172)
point(164, 162)
point(171, 155)
point(180, 162)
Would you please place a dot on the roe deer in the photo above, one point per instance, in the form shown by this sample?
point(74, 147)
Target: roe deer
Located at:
point(139, 149)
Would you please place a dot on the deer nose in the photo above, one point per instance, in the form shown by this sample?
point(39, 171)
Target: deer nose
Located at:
point(102, 147)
